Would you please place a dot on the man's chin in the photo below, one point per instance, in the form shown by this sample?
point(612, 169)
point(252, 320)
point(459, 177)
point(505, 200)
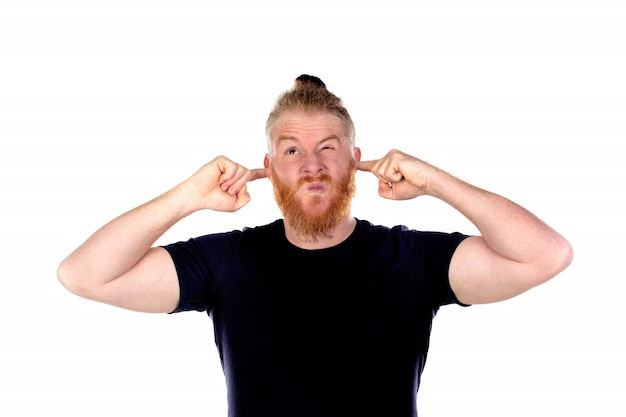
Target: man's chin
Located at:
point(315, 207)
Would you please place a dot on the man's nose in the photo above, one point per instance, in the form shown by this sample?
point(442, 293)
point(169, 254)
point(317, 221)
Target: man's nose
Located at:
point(313, 165)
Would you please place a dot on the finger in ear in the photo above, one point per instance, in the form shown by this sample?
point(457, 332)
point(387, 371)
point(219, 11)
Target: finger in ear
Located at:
point(243, 197)
point(385, 189)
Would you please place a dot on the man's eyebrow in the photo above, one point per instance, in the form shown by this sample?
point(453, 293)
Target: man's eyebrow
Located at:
point(331, 137)
point(283, 138)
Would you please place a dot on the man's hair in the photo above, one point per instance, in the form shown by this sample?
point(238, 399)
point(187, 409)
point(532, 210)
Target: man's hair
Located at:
point(309, 94)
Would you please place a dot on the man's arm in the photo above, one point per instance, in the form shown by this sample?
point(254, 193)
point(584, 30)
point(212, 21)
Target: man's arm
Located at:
point(515, 251)
point(117, 265)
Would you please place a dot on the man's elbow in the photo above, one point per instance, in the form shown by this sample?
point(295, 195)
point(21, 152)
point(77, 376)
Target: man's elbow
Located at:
point(69, 278)
point(561, 256)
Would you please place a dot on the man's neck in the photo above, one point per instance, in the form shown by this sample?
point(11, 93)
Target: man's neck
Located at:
point(340, 233)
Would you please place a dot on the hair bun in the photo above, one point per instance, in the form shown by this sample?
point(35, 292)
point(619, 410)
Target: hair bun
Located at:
point(309, 81)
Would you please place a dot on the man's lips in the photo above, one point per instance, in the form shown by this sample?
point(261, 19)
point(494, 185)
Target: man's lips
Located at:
point(316, 187)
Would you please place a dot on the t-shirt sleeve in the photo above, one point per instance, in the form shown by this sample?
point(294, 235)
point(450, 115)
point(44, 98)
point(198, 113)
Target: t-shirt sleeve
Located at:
point(196, 261)
point(443, 288)
point(435, 250)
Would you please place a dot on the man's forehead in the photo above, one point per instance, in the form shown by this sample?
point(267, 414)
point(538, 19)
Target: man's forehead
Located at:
point(293, 125)
point(306, 119)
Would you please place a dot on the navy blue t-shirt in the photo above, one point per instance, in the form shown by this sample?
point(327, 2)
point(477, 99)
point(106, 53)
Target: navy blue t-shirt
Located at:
point(341, 331)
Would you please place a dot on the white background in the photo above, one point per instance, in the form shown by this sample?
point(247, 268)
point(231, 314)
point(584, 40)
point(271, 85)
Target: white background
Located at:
point(106, 104)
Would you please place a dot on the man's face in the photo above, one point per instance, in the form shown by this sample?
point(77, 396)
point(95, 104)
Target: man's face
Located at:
point(312, 165)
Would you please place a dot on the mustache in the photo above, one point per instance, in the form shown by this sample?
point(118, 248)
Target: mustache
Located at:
point(320, 178)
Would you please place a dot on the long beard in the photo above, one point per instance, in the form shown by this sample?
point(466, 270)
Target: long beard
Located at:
point(314, 226)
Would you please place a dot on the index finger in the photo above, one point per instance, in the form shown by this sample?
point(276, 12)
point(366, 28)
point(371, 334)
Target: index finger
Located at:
point(366, 165)
point(258, 173)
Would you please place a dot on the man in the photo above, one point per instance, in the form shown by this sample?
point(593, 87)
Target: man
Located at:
point(319, 314)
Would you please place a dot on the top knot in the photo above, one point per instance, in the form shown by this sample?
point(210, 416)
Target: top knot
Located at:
point(305, 80)
point(309, 95)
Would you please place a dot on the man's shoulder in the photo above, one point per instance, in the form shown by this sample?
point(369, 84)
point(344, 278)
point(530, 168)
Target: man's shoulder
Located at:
point(404, 233)
point(274, 228)
point(266, 234)
point(365, 226)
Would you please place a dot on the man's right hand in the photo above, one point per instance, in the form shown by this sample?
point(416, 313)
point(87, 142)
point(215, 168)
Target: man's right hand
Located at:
point(220, 185)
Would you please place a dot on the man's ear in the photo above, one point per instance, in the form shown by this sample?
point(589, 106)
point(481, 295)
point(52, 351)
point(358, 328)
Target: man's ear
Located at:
point(266, 165)
point(357, 154)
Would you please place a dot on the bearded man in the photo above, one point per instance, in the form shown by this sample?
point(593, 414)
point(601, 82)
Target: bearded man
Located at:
point(319, 313)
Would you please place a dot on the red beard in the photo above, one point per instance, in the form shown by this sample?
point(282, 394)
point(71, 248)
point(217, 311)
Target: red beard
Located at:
point(313, 226)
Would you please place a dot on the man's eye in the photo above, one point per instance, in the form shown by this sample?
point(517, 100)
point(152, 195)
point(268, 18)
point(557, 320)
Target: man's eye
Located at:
point(291, 152)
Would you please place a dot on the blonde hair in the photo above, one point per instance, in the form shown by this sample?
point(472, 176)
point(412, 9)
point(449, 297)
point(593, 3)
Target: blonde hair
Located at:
point(309, 94)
